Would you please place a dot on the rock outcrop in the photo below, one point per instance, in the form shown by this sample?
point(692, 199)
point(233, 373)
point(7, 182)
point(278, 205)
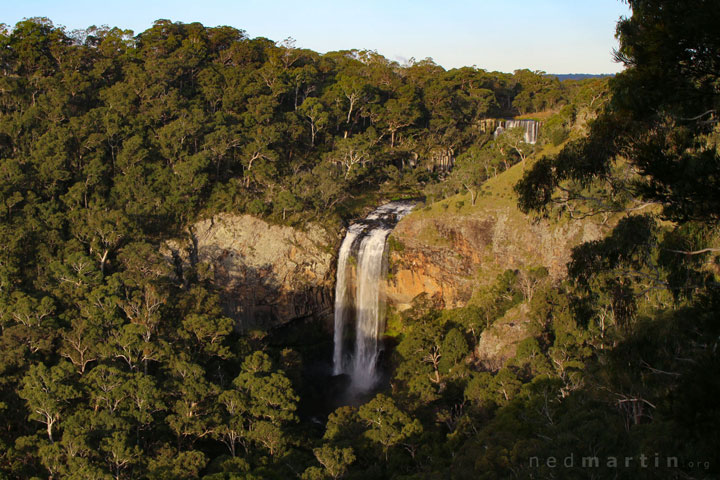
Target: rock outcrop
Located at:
point(268, 274)
point(499, 342)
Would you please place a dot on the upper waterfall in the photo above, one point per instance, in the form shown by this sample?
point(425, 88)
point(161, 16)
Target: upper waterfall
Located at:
point(358, 298)
point(531, 129)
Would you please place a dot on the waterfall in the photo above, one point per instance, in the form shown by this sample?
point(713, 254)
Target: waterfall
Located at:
point(531, 129)
point(358, 296)
point(342, 303)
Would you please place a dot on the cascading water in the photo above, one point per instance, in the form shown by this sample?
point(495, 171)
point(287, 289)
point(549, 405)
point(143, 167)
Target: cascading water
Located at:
point(342, 305)
point(531, 129)
point(358, 296)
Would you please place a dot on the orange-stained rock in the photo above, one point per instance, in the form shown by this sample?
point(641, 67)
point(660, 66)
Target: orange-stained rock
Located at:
point(449, 254)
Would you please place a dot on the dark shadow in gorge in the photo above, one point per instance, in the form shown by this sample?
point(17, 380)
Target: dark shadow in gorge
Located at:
point(320, 391)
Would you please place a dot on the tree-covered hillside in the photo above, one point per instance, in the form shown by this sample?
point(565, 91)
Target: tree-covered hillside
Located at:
point(110, 144)
point(182, 118)
point(113, 367)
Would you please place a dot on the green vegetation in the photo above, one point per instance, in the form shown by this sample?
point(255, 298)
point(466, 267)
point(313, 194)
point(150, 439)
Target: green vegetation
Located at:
point(395, 245)
point(112, 367)
point(112, 143)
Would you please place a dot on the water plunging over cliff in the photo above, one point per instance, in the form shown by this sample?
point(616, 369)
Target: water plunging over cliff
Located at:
point(530, 126)
point(358, 298)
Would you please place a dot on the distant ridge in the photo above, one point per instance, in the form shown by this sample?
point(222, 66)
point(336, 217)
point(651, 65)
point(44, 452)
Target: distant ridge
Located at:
point(579, 76)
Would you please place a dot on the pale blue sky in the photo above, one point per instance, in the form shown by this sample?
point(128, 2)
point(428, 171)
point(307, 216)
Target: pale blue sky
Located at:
point(557, 36)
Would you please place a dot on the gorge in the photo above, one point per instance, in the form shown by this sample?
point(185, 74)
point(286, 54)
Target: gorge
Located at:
point(202, 278)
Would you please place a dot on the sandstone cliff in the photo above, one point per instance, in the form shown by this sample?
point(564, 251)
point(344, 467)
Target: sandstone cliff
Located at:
point(268, 274)
point(447, 255)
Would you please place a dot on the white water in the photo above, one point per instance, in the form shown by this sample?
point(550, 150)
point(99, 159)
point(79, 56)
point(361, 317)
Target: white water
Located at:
point(342, 304)
point(531, 129)
point(360, 297)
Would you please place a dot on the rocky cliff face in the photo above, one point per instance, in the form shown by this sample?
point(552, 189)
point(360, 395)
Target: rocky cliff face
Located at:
point(448, 255)
point(268, 274)
point(436, 256)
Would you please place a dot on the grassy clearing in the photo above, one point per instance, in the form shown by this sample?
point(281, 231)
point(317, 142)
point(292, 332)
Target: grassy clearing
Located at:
point(494, 194)
point(539, 116)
